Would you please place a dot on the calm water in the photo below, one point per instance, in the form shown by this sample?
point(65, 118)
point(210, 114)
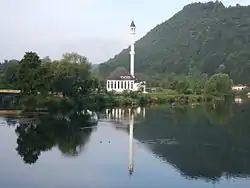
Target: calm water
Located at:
point(197, 147)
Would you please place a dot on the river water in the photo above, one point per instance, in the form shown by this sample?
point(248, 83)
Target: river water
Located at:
point(191, 147)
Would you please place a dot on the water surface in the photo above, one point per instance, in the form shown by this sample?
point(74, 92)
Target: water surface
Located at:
point(172, 147)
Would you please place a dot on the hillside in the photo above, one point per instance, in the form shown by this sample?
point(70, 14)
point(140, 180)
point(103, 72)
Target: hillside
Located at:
point(202, 37)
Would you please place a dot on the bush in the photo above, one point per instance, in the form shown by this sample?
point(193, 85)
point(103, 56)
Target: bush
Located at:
point(189, 92)
point(145, 99)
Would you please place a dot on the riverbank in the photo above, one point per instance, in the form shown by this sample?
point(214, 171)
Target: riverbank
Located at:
point(135, 98)
point(100, 101)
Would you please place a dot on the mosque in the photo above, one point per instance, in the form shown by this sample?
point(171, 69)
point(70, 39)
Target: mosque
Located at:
point(121, 80)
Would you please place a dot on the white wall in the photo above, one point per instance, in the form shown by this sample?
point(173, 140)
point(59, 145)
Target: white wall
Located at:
point(238, 87)
point(122, 88)
point(123, 85)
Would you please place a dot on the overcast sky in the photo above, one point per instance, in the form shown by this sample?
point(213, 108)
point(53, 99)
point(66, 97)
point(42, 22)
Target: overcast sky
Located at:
point(97, 29)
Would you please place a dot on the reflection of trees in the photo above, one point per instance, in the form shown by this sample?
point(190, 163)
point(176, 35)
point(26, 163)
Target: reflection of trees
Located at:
point(219, 112)
point(201, 149)
point(11, 121)
point(41, 133)
point(8, 101)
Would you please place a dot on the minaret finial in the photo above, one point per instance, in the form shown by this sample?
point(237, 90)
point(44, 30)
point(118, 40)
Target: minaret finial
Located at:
point(132, 24)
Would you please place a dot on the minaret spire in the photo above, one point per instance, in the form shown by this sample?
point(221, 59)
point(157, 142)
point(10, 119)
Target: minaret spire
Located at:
point(132, 48)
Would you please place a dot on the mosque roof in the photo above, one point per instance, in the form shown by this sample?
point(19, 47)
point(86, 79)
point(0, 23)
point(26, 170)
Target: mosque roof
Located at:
point(120, 73)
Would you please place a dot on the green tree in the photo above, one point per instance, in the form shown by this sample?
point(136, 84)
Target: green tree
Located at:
point(218, 85)
point(182, 86)
point(198, 88)
point(9, 74)
point(28, 73)
point(72, 76)
point(46, 78)
point(46, 60)
point(75, 58)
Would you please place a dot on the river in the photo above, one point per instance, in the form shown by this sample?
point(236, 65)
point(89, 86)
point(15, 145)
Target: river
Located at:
point(192, 147)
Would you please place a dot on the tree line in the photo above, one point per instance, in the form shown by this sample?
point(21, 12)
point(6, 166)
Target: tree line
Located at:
point(71, 77)
point(217, 85)
point(40, 80)
point(32, 75)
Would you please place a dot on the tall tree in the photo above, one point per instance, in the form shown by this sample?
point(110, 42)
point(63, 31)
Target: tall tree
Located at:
point(74, 58)
point(73, 75)
point(218, 85)
point(46, 60)
point(28, 73)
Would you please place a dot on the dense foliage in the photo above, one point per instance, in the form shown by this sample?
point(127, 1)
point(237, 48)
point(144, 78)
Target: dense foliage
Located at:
point(41, 79)
point(202, 39)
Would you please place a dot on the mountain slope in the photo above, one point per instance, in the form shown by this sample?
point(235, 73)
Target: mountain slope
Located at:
point(206, 37)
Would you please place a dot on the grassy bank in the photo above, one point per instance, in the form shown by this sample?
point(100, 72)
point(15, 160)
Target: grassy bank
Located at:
point(105, 100)
point(136, 99)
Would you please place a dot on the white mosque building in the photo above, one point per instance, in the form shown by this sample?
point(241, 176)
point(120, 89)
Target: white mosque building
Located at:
point(121, 80)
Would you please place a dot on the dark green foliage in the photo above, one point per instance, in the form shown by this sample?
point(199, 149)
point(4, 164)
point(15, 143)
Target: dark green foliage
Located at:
point(208, 38)
point(182, 86)
point(45, 84)
point(145, 99)
point(219, 85)
point(28, 73)
point(8, 74)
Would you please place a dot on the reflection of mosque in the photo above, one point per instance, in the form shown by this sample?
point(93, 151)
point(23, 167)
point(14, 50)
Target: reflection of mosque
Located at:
point(125, 118)
point(238, 100)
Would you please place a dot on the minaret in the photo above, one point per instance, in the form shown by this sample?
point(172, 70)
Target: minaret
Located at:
point(132, 49)
point(130, 150)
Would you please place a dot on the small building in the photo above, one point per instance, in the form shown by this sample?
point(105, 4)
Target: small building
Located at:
point(238, 87)
point(120, 79)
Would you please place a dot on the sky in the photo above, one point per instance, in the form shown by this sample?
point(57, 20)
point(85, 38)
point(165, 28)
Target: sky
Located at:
point(97, 29)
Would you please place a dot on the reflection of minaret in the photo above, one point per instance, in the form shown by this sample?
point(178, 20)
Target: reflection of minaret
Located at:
point(130, 157)
point(143, 113)
point(124, 115)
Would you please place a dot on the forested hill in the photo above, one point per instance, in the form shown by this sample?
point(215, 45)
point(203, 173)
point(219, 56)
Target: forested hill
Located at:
point(202, 37)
